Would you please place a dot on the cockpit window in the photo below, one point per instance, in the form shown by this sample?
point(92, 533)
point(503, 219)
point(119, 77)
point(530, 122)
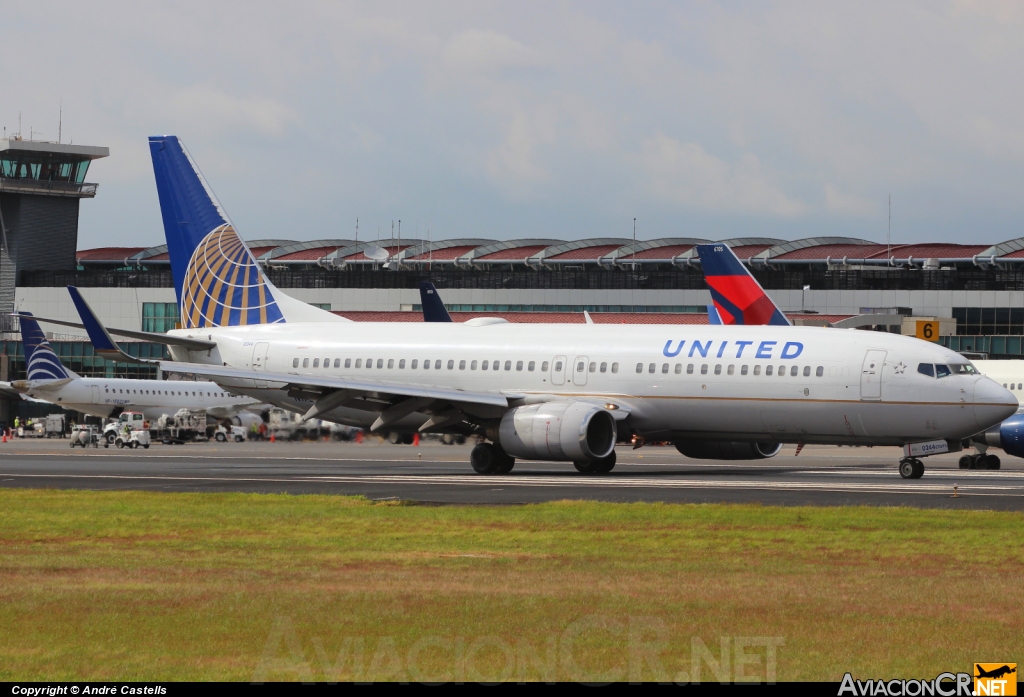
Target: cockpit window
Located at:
point(963, 369)
point(926, 369)
point(942, 371)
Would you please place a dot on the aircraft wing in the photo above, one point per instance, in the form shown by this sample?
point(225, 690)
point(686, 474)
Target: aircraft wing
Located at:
point(393, 399)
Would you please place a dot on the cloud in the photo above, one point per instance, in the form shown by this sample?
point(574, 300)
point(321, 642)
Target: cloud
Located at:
point(213, 110)
point(687, 175)
point(487, 51)
point(848, 204)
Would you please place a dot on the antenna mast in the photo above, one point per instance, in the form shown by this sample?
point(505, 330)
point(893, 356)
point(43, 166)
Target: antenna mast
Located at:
point(888, 234)
point(634, 245)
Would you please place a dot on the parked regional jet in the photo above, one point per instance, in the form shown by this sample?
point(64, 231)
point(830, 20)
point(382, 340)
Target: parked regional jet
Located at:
point(47, 379)
point(550, 392)
point(733, 286)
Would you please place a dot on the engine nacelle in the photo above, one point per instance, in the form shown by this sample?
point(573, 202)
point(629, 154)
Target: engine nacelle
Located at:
point(727, 450)
point(1009, 435)
point(558, 431)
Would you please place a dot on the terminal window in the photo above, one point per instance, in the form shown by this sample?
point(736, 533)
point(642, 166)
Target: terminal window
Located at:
point(159, 317)
point(987, 321)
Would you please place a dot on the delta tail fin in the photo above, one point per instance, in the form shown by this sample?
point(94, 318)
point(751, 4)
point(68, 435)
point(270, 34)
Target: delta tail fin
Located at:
point(738, 297)
point(41, 363)
point(433, 307)
point(216, 278)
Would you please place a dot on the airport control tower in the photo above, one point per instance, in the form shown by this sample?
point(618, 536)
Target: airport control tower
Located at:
point(41, 184)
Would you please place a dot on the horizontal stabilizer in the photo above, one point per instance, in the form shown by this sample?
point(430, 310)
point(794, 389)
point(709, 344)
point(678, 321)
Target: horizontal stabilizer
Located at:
point(190, 344)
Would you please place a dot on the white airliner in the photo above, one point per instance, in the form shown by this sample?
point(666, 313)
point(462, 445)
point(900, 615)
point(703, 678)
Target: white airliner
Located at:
point(740, 299)
point(549, 392)
point(47, 379)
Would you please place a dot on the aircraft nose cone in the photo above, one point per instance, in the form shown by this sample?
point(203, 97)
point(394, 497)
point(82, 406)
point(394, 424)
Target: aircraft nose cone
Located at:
point(992, 403)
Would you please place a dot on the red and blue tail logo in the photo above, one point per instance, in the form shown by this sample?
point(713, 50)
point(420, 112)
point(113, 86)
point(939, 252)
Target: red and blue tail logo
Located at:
point(738, 297)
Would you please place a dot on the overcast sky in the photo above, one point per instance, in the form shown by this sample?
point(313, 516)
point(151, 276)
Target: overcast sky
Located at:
point(565, 120)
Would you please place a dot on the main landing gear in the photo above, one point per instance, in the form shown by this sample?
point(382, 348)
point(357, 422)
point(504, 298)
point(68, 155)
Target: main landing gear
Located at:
point(911, 468)
point(488, 458)
point(601, 466)
point(981, 461)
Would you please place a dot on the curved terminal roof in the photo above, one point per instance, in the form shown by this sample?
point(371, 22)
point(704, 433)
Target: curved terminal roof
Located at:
point(509, 250)
point(820, 248)
point(663, 248)
point(443, 250)
point(304, 251)
point(357, 250)
point(596, 250)
point(108, 254)
point(590, 249)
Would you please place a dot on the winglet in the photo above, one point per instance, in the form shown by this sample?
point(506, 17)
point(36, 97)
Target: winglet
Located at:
point(738, 297)
point(433, 307)
point(99, 336)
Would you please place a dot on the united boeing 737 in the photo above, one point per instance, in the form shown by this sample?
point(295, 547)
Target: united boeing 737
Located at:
point(550, 392)
point(733, 286)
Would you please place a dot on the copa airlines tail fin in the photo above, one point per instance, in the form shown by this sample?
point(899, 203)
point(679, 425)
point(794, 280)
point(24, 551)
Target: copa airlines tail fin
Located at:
point(216, 277)
point(738, 297)
point(41, 363)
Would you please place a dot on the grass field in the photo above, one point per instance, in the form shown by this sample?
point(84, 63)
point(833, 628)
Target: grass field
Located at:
point(147, 586)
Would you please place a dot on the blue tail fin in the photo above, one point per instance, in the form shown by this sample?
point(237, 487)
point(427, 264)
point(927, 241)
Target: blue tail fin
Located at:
point(738, 297)
point(433, 307)
point(41, 363)
point(216, 278)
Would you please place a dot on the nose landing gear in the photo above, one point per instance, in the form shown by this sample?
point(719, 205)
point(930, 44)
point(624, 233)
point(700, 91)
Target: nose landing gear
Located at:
point(911, 468)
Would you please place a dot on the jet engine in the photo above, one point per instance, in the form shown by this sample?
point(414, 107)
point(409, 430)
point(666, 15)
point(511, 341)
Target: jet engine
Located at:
point(1009, 435)
point(727, 450)
point(558, 431)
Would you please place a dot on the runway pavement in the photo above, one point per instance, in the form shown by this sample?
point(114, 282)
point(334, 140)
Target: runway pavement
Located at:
point(434, 473)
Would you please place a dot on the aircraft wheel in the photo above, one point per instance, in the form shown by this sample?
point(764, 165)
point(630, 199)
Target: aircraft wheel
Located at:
point(918, 469)
point(505, 462)
point(907, 469)
point(605, 464)
point(991, 462)
point(221, 438)
point(484, 458)
point(145, 446)
point(584, 466)
point(965, 462)
point(394, 437)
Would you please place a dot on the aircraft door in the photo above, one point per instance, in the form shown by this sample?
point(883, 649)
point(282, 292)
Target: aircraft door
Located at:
point(259, 355)
point(871, 375)
point(96, 395)
point(579, 370)
point(558, 370)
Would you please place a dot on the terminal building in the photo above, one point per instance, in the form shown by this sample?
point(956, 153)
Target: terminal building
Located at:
point(975, 290)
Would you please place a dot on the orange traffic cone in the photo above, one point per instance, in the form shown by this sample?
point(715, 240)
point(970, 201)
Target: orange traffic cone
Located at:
point(5, 437)
point(415, 439)
point(272, 439)
point(359, 436)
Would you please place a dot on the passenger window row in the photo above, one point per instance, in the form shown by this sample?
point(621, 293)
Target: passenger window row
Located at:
point(730, 369)
point(436, 364)
point(109, 390)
